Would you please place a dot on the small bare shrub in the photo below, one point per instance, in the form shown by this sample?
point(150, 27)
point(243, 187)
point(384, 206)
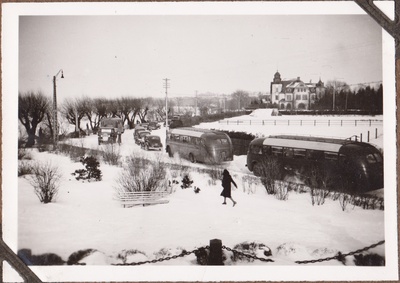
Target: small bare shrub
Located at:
point(111, 154)
point(138, 176)
point(24, 168)
point(281, 190)
point(45, 179)
point(269, 171)
point(215, 173)
point(250, 184)
point(318, 196)
point(24, 154)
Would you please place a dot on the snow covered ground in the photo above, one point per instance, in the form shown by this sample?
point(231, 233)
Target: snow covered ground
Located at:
point(87, 216)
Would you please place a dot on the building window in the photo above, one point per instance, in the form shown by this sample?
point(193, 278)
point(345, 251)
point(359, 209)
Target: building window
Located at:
point(304, 96)
point(298, 96)
point(288, 97)
point(276, 97)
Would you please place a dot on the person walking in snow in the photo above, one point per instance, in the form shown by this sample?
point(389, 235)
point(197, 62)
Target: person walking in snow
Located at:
point(226, 184)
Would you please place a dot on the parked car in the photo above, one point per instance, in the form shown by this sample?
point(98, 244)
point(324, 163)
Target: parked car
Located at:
point(139, 138)
point(152, 142)
point(174, 124)
point(153, 126)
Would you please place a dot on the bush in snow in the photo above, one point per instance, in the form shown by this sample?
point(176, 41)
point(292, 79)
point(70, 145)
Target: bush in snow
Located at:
point(250, 183)
point(215, 173)
point(186, 182)
point(369, 260)
point(268, 170)
point(24, 168)
point(164, 252)
point(92, 171)
point(111, 154)
point(24, 154)
point(79, 255)
point(44, 259)
point(45, 179)
point(318, 196)
point(253, 249)
point(132, 256)
point(281, 190)
point(138, 176)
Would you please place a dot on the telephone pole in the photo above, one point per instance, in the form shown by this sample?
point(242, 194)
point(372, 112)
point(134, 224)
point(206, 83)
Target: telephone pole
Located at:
point(166, 86)
point(195, 108)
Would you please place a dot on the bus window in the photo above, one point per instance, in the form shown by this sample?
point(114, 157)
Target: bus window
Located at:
point(223, 141)
point(256, 149)
point(378, 157)
point(374, 158)
point(330, 155)
point(288, 152)
point(315, 154)
point(267, 150)
point(276, 150)
point(299, 153)
point(185, 139)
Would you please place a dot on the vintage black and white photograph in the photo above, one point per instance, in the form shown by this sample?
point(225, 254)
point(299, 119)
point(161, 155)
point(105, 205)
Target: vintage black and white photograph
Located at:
point(197, 141)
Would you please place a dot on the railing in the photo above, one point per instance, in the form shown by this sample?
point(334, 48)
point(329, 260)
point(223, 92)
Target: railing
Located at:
point(307, 122)
point(214, 255)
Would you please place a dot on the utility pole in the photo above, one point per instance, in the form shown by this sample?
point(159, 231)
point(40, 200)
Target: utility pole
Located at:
point(166, 86)
point(195, 108)
point(334, 93)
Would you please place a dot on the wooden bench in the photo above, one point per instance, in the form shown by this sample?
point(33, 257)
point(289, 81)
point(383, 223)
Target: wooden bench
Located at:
point(144, 198)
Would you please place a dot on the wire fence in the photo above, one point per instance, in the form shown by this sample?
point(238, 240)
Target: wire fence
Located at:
point(216, 252)
point(325, 123)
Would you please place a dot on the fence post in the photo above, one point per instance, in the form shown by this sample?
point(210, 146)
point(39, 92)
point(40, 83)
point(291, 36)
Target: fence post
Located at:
point(361, 137)
point(376, 133)
point(215, 257)
point(368, 137)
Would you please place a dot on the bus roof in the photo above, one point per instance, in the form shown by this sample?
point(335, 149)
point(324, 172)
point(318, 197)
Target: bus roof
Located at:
point(325, 144)
point(192, 132)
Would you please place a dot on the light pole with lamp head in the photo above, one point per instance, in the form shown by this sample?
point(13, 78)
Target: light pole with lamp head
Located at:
point(55, 122)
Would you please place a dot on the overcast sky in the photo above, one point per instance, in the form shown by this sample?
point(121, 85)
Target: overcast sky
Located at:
point(104, 56)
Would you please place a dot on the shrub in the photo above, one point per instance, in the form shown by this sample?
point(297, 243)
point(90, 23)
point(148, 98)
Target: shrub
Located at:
point(92, 170)
point(79, 255)
point(250, 183)
point(186, 182)
point(43, 259)
point(45, 179)
point(137, 176)
point(126, 255)
point(24, 168)
point(369, 260)
point(24, 154)
point(111, 154)
point(281, 190)
point(253, 249)
point(215, 173)
point(269, 171)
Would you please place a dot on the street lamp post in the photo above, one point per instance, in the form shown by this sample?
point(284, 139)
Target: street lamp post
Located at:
point(55, 122)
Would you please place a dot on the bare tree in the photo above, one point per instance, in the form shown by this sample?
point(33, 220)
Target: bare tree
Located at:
point(32, 108)
point(241, 98)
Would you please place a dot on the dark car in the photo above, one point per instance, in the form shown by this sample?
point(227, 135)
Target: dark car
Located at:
point(153, 126)
point(151, 142)
point(139, 137)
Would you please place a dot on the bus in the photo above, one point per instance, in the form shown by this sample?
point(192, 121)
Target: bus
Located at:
point(337, 164)
point(199, 145)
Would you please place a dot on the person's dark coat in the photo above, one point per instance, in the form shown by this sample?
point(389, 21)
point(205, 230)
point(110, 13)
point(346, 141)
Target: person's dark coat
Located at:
point(226, 184)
